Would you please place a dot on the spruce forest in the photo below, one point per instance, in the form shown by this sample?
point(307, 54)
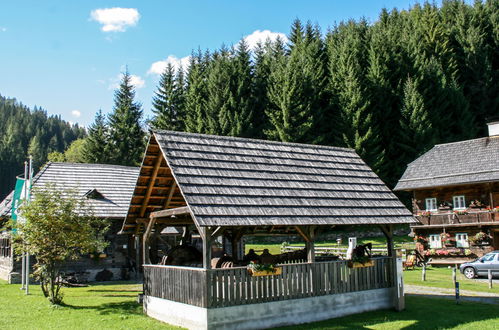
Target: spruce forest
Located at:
point(390, 89)
point(26, 132)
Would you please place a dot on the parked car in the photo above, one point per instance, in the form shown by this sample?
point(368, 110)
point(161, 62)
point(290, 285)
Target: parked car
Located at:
point(481, 266)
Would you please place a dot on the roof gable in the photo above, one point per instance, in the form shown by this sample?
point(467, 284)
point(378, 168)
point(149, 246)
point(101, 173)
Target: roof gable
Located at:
point(464, 162)
point(229, 181)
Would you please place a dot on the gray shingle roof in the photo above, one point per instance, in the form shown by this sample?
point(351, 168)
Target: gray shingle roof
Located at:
point(236, 181)
point(462, 162)
point(115, 183)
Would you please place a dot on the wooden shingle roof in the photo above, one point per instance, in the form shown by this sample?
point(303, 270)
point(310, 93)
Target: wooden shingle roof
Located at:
point(114, 185)
point(228, 181)
point(464, 162)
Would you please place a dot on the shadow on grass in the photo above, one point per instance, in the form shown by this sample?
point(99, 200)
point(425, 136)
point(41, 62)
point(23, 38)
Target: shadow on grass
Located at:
point(116, 290)
point(420, 313)
point(123, 307)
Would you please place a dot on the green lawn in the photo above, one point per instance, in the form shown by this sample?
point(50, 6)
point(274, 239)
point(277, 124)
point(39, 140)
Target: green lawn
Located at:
point(420, 313)
point(113, 306)
point(442, 278)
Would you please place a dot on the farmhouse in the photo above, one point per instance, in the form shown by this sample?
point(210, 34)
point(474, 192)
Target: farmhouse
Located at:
point(234, 187)
point(108, 190)
point(455, 189)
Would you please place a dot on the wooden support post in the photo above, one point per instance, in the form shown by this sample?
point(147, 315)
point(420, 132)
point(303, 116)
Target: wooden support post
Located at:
point(234, 241)
point(145, 241)
point(395, 267)
point(138, 263)
point(308, 235)
point(311, 244)
point(388, 232)
point(205, 233)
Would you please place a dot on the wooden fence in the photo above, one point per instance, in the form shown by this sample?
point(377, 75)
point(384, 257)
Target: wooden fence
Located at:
point(341, 251)
point(234, 286)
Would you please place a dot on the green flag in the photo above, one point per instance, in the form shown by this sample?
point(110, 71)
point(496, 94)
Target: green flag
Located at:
point(19, 196)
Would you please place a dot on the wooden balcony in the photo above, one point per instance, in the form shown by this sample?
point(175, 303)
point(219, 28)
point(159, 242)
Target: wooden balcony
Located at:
point(224, 287)
point(456, 219)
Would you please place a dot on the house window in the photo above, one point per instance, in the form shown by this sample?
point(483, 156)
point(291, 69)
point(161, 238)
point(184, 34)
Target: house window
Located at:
point(435, 241)
point(459, 202)
point(462, 240)
point(431, 204)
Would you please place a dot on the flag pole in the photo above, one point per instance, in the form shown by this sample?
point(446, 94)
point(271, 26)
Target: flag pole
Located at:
point(23, 257)
point(28, 199)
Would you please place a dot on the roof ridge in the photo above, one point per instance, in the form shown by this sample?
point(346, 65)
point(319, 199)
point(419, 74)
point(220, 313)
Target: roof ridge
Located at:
point(236, 138)
point(458, 142)
point(95, 164)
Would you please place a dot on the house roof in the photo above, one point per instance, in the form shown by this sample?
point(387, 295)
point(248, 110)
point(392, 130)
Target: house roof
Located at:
point(111, 185)
point(228, 181)
point(464, 162)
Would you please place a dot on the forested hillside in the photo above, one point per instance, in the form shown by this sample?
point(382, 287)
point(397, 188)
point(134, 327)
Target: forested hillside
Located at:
point(391, 89)
point(24, 132)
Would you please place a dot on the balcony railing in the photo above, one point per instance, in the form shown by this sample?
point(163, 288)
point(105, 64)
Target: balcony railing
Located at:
point(234, 286)
point(455, 218)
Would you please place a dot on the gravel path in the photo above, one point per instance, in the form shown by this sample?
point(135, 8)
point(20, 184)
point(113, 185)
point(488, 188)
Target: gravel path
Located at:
point(466, 295)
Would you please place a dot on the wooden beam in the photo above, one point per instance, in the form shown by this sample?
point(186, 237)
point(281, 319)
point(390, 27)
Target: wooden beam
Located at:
point(151, 185)
point(302, 233)
point(170, 194)
point(205, 233)
point(169, 212)
point(218, 231)
point(145, 241)
point(388, 232)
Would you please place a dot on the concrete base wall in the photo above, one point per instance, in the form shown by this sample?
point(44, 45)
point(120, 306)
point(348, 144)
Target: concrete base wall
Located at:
point(270, 314)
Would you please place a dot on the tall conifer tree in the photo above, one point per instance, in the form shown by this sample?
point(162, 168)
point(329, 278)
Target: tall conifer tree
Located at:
point(97, 145)
point(126, 134)
point(168, 101)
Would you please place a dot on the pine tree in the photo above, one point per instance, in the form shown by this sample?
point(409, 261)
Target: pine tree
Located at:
point(126, 134)
point(167, 101)
point(416, 121)
point(291, 117)
point(261, 67)
point(196, 94)
point(219, 111)
point(97, 145)
point(242, 92)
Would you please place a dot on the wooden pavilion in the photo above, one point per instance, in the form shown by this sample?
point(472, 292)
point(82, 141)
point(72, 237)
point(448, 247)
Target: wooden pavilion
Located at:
point(232, 187)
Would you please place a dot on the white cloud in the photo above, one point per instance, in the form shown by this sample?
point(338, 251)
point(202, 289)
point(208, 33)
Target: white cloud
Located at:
point(261, 36)
point(159, 66)
point(115, 19)
point(76, 113)
point(135, 80)
point(3, 29)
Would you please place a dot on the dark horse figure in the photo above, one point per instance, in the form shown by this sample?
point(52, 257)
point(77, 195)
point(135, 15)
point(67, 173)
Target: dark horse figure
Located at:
point(363, 250)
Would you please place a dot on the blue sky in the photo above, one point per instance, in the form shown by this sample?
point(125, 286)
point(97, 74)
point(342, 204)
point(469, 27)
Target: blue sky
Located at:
point(66, 56)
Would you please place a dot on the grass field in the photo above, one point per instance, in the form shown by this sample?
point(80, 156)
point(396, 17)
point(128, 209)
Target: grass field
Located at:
point(94, 307)
point(113, 306)
point(420, 313)
point(442, 278)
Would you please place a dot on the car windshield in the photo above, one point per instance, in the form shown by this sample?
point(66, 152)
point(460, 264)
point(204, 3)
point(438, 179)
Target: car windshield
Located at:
point(489, 257)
